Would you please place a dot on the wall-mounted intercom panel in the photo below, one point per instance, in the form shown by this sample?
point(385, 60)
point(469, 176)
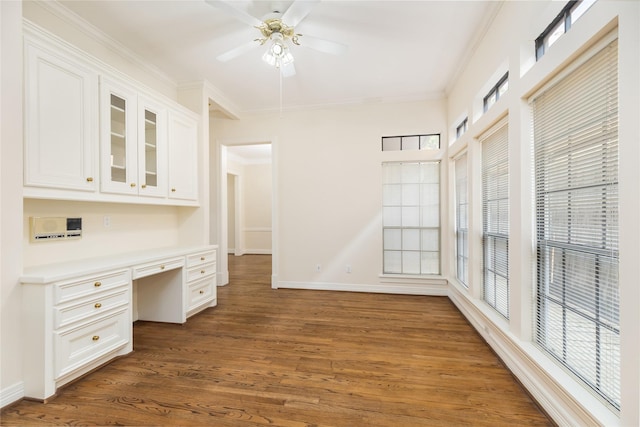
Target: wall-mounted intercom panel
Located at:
point(54, 228)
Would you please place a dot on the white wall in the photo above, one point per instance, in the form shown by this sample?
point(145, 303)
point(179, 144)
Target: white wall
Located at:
point(257, 208)
point(509, 45)
point(131, 228)
point(328, 169)
point(10, 200)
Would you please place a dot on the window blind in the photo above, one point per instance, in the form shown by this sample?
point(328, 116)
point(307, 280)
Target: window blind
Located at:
point(575, 126)
point(462, 221)
point(495, 214)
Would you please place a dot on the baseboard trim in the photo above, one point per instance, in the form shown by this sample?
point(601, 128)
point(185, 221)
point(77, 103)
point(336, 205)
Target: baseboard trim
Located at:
point(390, 288)
point(11, 394)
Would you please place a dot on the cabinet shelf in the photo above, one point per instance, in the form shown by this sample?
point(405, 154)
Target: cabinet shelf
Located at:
point(117, 135)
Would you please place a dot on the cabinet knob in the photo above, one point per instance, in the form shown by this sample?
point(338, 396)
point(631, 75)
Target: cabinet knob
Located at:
point(173, 190)
point(89, 179)
point(95, 338)
point(133, 184)
point(201, 271)
point(201, 291)
point(143, 186)
point(161, 266)
point(201, 258)
point(97, 284)
point(98, 305)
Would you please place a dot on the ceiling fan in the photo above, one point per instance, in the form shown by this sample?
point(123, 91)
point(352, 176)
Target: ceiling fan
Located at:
point(277, 29)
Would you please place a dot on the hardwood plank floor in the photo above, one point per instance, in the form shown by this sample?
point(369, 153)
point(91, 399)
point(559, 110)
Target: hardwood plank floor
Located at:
point(297, 358)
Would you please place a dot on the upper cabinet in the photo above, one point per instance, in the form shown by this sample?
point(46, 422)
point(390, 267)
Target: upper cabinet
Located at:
point(92, 134)
point(133, 141)
point(152, 147)
point(61, 121)
point(183, 156)
point(118, 138)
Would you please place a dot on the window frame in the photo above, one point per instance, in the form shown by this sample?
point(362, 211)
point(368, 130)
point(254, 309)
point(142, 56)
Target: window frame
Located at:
point(495, 90)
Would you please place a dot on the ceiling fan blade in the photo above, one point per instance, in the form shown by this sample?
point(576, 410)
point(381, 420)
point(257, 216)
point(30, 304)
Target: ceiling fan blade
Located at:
point(239, 14)
point(289, 70)
point(237, 51)
point(298, 10)
point(322, 45)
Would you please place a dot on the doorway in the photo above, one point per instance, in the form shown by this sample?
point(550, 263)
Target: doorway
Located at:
point(247, 184)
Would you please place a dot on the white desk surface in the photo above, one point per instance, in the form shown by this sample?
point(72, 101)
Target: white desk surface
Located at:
point(48, 273)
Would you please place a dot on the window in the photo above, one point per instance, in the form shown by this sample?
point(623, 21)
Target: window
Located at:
point(411, 142)
point(462, 128)
point(496, 92)
point(561, 24)
point(575, 125)
point(411, 217)
point(495, 219)
point(462, 221)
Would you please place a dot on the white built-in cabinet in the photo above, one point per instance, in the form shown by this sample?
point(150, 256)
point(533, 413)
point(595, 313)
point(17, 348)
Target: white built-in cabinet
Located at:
point(183, 156)
point(61, 120)
point(133, 139)
point(77, 316)
point(92, 134)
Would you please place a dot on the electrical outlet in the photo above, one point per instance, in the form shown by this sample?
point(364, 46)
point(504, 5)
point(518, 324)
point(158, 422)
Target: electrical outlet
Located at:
point(348, 268)
point(106, 221)
point(318, 267)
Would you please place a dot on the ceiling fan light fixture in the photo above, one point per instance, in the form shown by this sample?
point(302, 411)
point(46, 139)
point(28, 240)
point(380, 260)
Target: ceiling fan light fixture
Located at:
point(278, 54)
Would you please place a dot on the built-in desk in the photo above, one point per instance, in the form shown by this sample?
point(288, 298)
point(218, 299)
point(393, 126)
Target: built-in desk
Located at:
point(78, 315)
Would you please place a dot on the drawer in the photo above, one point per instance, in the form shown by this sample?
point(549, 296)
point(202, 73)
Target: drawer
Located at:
point(200, 272)
point(90, 285)
point(76, 347)
point(156, 267)
point(201, 258)
point(201, 292)
point(86, 308)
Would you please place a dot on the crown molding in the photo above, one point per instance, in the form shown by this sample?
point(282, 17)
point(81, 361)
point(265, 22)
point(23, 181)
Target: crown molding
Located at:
point(97, 35)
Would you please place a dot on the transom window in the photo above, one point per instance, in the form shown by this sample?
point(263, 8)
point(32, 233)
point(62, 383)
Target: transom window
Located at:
point(496, 92)
point(561, 24)
point(462, 127)
point(411, 142)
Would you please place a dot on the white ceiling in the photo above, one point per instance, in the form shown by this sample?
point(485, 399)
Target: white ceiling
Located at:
point(397, 50)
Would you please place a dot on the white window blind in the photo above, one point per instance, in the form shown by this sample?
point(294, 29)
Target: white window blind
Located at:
point(411, 217)
point(575, 125)
point(495, 223)
point(462, 220)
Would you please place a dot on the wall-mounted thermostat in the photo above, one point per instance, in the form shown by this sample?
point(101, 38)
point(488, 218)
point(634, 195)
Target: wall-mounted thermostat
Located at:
point(54, 228)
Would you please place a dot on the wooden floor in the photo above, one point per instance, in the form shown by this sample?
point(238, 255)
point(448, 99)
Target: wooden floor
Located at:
point(297, 358)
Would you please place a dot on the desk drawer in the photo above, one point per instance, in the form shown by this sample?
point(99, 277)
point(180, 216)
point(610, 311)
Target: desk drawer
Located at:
point(201, 258)
point(200, 272)
point(90, 285)
point(75, 347)
point(201, 292)
point(102, 303)
point(156, 267)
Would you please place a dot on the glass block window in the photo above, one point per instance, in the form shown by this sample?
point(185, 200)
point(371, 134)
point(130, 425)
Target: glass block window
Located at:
point(411, 217)
point(411, 142)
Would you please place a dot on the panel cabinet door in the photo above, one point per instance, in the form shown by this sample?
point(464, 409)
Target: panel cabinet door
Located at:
point(183, 156)
point(152, 147)
point(118, 138)
point(61, 134)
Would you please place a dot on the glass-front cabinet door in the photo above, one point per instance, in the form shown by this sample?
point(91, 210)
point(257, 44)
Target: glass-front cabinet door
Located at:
point(152, 125)
point(118, 138)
